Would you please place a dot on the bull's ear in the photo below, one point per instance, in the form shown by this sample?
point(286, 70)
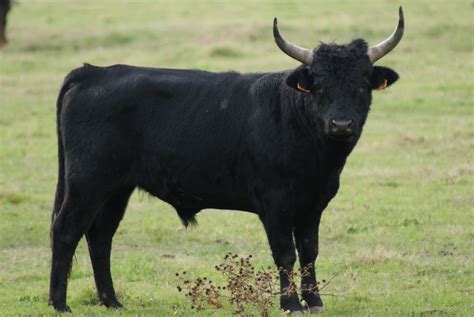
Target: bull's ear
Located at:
point(382, 77)
point(300, 79)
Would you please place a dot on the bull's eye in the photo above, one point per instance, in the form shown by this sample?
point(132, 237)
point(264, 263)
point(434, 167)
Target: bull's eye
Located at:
point(317, 89)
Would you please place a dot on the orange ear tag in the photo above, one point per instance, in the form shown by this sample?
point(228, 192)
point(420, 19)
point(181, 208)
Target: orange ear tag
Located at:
point(301, 88)
point(382, 85)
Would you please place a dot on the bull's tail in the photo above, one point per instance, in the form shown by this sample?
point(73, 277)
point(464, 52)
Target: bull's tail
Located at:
point(60, 186)
point(59, 197)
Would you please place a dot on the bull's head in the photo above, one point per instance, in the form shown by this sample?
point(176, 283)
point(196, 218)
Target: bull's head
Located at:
point(340, 80)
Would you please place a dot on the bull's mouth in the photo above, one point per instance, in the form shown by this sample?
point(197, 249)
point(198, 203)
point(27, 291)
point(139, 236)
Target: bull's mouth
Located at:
point(341, 138)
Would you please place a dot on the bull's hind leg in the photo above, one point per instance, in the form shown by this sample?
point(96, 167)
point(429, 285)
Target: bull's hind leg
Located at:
point(99, 238)
point(73, 219)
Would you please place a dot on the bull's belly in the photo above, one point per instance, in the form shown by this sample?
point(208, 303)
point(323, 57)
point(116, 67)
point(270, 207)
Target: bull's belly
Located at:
point(198, 201)
point(196, 194)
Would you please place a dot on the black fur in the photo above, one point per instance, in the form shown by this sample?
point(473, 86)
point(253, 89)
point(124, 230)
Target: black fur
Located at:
point(195, 139)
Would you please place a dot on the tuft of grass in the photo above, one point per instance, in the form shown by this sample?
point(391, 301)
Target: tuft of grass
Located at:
point(225, 52)
point(87, 297)
point(13, 198)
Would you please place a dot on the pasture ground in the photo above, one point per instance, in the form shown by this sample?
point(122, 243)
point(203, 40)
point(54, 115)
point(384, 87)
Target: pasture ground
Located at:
point(399, 233)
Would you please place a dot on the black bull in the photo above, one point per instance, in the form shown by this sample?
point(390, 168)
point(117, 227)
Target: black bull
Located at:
point(273, 144)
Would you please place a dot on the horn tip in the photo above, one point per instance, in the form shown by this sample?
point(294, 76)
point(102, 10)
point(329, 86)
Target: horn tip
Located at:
point(276, 33)
point(401, 20)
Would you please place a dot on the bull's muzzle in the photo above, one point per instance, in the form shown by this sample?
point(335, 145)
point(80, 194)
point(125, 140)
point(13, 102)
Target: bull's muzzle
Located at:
point(339, 129)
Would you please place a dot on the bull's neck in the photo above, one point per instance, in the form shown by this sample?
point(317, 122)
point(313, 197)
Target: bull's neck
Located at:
point(330, 156)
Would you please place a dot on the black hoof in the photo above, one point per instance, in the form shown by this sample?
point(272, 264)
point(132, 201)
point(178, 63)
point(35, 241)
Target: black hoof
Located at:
point(312, 300)
point(311, 310)
point(297, 312)
point(294, 308)
point(113, 304)
point(316, 310)
point(290, 303)
point(62, 308)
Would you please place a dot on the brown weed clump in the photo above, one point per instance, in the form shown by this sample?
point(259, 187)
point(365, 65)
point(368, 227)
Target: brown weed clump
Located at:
point(245, 288)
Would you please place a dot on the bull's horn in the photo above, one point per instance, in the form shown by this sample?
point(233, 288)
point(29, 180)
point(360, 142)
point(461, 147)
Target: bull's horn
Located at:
point(378, 51)
point(303, 55)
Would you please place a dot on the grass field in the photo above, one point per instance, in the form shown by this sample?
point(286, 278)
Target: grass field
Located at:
point(399, 235)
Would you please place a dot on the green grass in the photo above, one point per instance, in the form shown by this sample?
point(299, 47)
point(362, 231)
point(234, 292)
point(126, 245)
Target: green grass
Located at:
point(399, 233)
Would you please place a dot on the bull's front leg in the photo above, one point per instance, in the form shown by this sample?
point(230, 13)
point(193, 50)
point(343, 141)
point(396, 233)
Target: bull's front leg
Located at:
point(279, 229)
point(306, 238)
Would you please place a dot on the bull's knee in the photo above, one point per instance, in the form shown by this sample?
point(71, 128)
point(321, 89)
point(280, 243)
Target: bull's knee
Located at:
point(64, 238)
point(285, 260)
point(308, 254)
